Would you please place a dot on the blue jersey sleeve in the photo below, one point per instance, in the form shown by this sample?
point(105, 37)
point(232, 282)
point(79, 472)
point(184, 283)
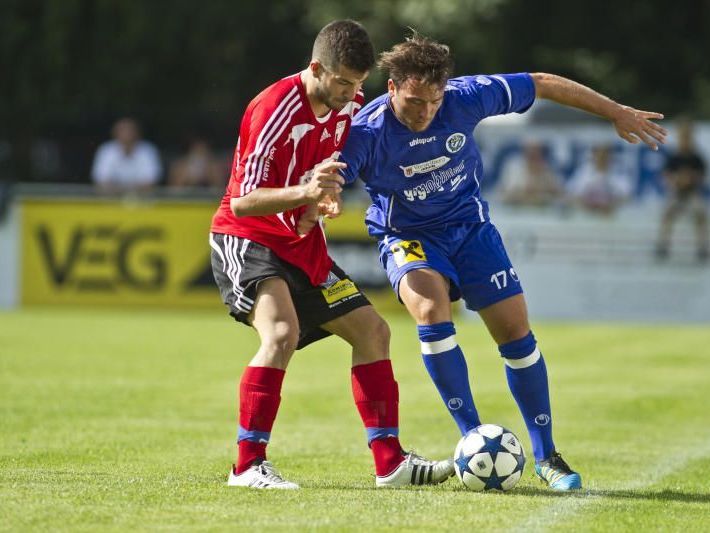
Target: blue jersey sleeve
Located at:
point(496, 94)
point(355, 152)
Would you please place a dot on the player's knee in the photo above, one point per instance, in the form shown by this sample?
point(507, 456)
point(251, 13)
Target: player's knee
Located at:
point(380, 332)
point(371, 338)
point(428, 312)
point(282, 339)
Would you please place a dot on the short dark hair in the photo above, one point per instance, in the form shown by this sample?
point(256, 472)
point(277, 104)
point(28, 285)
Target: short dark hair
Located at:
point(344, 42)
point(420, 58)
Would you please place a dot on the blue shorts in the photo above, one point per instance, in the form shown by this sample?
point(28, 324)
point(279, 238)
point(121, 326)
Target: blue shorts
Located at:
point(470, 255)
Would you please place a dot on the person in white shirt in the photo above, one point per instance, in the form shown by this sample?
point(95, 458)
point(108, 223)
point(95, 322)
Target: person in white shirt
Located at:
point(126, 163)
point(528, 178)
point(600, 185)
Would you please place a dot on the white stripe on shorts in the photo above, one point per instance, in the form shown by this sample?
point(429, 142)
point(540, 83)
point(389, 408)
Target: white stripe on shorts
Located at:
point(237, 287)
point(217, 249)
point(232, 268)
point(240, 294)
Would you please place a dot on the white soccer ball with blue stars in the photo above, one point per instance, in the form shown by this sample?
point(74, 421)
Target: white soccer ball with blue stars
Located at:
point(489, 457)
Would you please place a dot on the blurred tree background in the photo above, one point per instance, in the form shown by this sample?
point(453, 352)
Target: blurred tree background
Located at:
point(69, 68)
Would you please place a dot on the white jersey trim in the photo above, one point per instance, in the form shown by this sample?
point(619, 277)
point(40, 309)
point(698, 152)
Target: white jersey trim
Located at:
point(266, 140)
point(507, 90)
point(265, 131)
point(478, 202)
point(273, 140)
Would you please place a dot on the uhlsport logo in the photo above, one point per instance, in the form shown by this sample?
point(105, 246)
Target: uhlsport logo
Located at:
point(514, 275)
point(421, 140)
point(455, 404)
point(455, 142)
point(483, 80)
point(542, 419)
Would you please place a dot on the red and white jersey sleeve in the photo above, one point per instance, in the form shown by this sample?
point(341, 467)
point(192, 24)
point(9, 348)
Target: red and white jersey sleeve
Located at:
point(280, 143)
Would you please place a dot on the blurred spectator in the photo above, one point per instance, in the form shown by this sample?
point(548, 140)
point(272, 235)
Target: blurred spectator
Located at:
point(684, 175)
point(529, 179)
point(600, 185)
point(126, 163)
point(198, 167)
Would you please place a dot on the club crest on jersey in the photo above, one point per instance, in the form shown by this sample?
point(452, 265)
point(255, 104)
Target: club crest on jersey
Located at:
point(339, 130)
point(424, 167)
point(407, 251)
point(455, 142)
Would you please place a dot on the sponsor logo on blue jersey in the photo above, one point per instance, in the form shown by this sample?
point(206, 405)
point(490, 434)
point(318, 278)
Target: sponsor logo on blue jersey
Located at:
point(425, 166)
point(436, 183)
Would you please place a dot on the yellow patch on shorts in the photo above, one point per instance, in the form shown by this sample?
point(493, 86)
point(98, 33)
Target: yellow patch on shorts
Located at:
point(407, 251)
point(339, 290)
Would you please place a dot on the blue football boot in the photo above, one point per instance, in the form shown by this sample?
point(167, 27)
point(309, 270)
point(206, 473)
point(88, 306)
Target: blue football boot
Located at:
point(557, 474)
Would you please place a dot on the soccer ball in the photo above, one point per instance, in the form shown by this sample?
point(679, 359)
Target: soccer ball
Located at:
point(489, 457)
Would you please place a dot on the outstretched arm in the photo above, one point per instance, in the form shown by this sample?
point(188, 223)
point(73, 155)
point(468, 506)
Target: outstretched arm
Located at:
point(631, 124)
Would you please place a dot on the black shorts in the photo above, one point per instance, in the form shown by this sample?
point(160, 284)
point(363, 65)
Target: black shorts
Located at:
point(239, 264)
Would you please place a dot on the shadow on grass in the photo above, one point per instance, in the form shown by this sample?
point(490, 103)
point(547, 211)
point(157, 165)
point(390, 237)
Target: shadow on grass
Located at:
point(621, 494)
point(524, 492)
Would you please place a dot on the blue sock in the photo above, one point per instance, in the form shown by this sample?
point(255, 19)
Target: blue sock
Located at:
point(446, 365)
point(527, 378)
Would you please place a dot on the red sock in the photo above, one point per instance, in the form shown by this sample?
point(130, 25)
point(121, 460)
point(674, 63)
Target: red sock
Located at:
point(377, 399)
point(387, 453)
point(259, 399)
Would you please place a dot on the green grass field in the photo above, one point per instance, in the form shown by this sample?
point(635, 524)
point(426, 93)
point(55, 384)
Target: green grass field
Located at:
point(119, 420)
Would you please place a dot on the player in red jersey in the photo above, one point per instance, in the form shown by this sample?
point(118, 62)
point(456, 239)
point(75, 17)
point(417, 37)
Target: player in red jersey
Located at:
point(283, 283)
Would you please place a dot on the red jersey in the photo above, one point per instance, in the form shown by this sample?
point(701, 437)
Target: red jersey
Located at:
point(280, 142)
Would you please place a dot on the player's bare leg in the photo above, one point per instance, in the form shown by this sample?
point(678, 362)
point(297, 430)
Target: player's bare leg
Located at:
point(377, 398)
point(425, 294)
point(365, 331)
point(274, 318)
point(507, 322)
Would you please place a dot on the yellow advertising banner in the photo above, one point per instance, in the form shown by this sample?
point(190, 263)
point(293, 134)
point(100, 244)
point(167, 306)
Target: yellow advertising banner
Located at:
point(115, 253)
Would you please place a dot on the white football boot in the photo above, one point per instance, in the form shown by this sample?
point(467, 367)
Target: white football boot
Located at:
point(416, 470)
point(260, 476)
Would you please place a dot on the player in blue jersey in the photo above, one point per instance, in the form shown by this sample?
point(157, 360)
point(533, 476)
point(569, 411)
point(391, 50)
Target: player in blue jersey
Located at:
point(414, 149)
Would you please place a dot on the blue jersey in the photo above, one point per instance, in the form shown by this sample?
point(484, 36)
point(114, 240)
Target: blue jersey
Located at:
point(419, 180)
